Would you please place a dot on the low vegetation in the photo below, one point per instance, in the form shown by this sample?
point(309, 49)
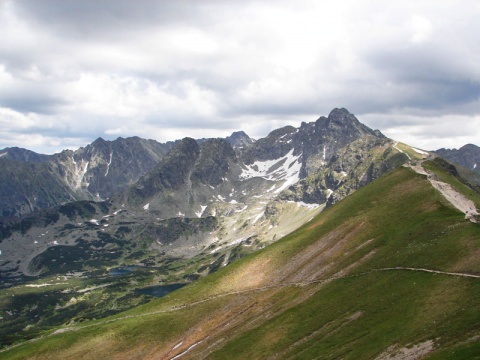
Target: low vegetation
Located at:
point(390, 269)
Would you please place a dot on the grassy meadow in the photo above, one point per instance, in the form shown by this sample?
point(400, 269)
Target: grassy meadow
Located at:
point(349, 284)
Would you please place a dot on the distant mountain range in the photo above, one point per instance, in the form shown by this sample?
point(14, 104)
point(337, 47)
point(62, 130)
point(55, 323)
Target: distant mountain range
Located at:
point(467, 156)
point(30, 181)
point(246, 187)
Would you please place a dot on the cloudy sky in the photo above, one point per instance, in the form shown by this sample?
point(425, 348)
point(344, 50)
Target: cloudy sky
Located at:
point(72, 71)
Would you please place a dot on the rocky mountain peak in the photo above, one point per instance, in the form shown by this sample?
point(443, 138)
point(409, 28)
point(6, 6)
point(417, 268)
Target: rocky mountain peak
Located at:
point(186, 146)
point(99, 140)
point(170, 173)
point(213, 163)
point(23, 155)
point(470, 147)
point(341, 116)
point(239, 140)
point(468, 156)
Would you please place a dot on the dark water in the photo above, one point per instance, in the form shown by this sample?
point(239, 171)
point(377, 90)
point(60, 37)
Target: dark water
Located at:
point(160, 290)
point(120, 271)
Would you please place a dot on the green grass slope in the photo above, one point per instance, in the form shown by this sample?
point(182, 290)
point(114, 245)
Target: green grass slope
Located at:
point(391, 270)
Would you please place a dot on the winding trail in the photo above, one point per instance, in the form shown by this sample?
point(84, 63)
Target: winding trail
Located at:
point(263, 288)
point(458, 200)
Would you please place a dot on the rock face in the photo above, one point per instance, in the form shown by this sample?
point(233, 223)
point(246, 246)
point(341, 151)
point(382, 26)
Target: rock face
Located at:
point(215, 194)
point(468, 156)
point(239, 140)
point(29, 186)
point(32, 181)
point(23, 155)
point(319, 162)
point(103, 168)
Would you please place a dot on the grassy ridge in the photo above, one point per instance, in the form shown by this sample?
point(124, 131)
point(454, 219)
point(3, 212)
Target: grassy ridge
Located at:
point(397, 221)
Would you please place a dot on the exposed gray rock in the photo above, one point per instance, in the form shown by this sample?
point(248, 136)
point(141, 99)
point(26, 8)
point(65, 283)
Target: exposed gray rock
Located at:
point(467, 156)
point(31, 181)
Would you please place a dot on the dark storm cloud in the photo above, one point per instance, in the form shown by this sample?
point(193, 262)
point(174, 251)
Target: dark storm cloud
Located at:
point(100, 17)
point(36, 103)
point(433, 79)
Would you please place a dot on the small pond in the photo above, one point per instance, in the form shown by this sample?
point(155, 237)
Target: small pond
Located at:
point(160, 290)
point(121, 271)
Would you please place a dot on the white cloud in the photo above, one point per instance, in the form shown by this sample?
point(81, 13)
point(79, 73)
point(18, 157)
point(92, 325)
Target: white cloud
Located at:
point(79, 70)
point(421, 29)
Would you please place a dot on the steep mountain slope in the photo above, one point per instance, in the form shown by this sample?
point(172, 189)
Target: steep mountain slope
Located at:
point(391, 270)
point(255, 195)
point(94, 172)
point(106, 167)
point(468, 156)
point(204, 205)
point(22, 155)
point(239, 140)
point(29, 186)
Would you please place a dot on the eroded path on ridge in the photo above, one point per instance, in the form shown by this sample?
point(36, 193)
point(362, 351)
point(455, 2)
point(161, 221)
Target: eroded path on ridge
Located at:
point(458, 200)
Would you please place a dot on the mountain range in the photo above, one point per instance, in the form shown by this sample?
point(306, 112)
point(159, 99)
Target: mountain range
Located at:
point(212, 212)
point(230, 194)
point(467, 156)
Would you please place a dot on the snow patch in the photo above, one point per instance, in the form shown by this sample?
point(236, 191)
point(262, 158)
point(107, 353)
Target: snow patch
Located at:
point(237, 241)
point(475, 166)
point(272, 188)
point(292, 175)
point(420, 151)
point(94, 221)
point(109, 163)
point(180, 214)
point(284, 168)
point(242, 210)
point(403, 152)
point(42, 285)
point(93, 288)
point(258, 217)
point(79, 173)
point(309, 206)
point(343, 173)
point(117, 212)
point(202, 209)
point(146, 206)
point(233, 202)
point(329, 192)
point(215, 250)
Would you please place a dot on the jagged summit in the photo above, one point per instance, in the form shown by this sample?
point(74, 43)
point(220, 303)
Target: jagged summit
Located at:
point(468, 156)
point(104, 168)
point(239, 140)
